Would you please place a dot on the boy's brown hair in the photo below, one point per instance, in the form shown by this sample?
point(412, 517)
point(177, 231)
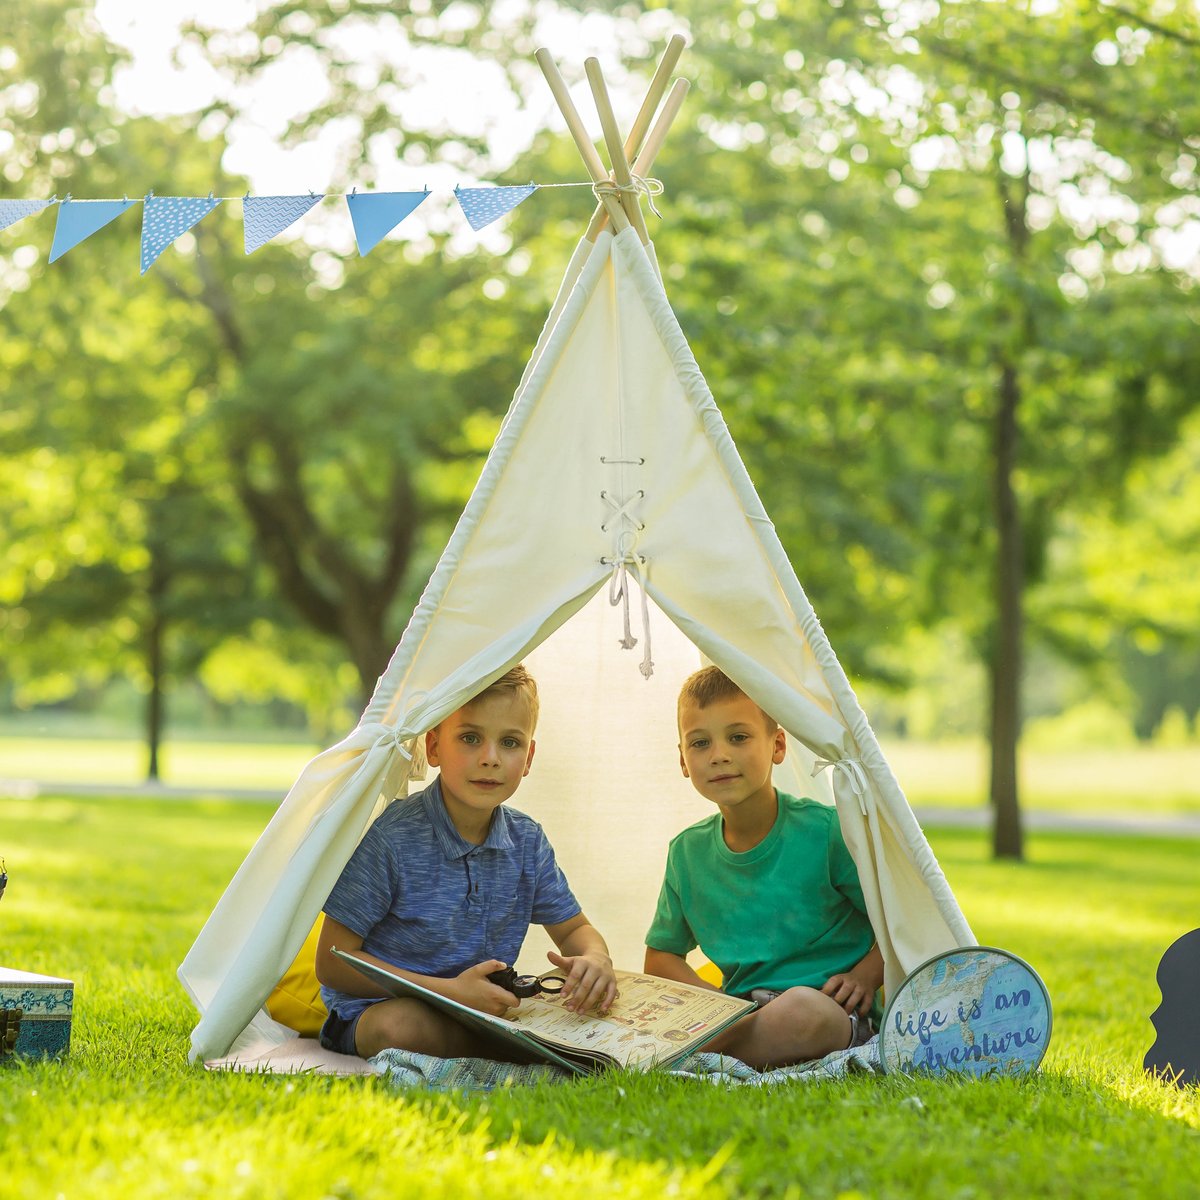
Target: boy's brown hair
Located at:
point(516, 681)
point(710, 685)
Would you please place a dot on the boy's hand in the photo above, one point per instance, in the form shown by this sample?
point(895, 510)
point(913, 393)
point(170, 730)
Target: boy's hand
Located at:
point(590, 981)
point(475, 990)
point(852, 992)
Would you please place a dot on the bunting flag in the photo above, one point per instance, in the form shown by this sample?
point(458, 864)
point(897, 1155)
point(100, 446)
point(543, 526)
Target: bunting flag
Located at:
point(376, 214)
point(482, 206)
point(265, 216)
point(79, 219)
point(166, 218)
point(11, 211)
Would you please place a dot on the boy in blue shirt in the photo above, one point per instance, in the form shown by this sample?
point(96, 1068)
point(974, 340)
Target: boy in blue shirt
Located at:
point(443, 888)
point(766, 887)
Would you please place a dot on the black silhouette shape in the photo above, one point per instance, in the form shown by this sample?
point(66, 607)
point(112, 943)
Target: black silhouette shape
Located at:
point(1175, 1054)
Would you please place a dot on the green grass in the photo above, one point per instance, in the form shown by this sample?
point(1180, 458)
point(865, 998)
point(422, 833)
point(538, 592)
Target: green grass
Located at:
point(121, 762)
point(1126, 781)
point(111, 892)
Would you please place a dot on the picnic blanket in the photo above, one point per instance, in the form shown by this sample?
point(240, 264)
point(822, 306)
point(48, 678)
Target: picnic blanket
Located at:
point(406, 1070)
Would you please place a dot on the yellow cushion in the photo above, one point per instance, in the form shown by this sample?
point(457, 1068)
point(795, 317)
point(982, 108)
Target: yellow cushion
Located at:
point(710, 973)
point(296, 1000)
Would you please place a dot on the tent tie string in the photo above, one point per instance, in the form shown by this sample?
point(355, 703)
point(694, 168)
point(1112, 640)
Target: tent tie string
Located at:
point(399, 739)
point(618, 594)
point(638, 185)
point(854, 772)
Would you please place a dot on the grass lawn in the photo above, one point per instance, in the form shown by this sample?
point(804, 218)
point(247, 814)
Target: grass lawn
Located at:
point(121, 762)
point(1125, 781)
point(111, 892)
point(1130, 782)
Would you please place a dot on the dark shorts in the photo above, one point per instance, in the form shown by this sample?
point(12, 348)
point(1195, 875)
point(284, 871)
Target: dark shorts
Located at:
point(862, 1030)
point(337, 1034)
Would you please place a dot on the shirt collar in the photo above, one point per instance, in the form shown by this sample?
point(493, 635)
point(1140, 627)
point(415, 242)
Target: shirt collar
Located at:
point(453, 844)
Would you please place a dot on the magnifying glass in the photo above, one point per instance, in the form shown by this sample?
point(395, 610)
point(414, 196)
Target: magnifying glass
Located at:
point(524, 986)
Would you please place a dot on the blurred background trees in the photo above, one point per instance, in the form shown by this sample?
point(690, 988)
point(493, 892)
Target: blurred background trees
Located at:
point(938, 262)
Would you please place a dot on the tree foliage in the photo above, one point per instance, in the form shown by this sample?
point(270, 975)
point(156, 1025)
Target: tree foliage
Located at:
point(932, 258)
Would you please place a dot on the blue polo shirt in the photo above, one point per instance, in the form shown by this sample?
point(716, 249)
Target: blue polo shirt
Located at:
point(425, 899)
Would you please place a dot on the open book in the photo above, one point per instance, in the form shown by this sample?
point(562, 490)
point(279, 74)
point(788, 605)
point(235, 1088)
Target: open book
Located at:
point(652, 1023)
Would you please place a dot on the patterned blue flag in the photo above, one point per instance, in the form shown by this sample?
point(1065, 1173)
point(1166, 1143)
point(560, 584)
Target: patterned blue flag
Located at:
point(265, 216)
point(376, 214)
point(11, 211)
point(168, 217)
point(482, 206)
point(79, 219)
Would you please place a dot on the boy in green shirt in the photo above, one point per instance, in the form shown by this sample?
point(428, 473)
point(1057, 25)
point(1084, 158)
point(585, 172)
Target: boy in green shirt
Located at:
point(766, 887)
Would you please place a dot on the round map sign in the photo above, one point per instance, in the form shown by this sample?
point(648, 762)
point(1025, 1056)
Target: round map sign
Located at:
point(973, 1011)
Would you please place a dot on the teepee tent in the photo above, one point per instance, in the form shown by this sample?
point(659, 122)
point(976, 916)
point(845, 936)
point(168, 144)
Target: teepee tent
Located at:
point(613, 507)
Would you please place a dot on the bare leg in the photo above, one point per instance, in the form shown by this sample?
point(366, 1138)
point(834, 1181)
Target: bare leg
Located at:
point(414, 1025)
point(799, 1025)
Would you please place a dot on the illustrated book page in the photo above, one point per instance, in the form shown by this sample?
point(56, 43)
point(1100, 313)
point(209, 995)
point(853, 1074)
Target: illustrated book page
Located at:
point(652, 1023)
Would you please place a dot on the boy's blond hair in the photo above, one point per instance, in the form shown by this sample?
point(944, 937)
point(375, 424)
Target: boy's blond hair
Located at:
point(710, 685)
point(516, 681)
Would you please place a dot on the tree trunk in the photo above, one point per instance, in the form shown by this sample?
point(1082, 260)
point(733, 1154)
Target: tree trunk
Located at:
point(370, 651)
point(1005, 658)
point(155, 664)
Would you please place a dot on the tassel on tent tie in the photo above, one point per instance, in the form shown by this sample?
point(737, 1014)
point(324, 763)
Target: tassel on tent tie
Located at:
point(618, 593)
point(854, 772)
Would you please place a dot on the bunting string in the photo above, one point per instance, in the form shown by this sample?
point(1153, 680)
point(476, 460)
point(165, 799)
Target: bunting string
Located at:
point(373, 215)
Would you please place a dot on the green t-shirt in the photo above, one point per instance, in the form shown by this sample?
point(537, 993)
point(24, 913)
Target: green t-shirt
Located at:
point(788, 913)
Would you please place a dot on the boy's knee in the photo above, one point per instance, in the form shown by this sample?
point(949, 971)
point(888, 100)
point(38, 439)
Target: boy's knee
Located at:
point(399, 1024)
point(822, 1017)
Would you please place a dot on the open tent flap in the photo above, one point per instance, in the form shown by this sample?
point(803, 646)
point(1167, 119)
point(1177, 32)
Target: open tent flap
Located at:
point(613, 462)
point(606, 782)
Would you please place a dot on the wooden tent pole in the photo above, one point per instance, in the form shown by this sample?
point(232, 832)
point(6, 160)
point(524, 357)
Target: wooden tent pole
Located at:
point(616, 150)
point(591, 159)
point(658, 135)
point(645, 160)
point(633, 143)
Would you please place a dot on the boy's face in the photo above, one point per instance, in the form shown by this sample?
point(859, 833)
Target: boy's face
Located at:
point(727, 750)
point(484, 751)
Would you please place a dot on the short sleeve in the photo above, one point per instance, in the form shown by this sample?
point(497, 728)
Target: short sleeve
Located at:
point(670, 931)
point(367, 886)
point(843, 873)
point(553, 900)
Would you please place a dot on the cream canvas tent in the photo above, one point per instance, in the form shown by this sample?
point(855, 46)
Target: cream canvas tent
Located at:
point(613, 508)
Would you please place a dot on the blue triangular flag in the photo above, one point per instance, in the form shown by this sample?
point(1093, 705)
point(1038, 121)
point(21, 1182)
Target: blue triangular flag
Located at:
point(265, 216)
point(376, 214)
point(79, 219)
point(482, 206)
point(167, 217)
point(11, 211)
